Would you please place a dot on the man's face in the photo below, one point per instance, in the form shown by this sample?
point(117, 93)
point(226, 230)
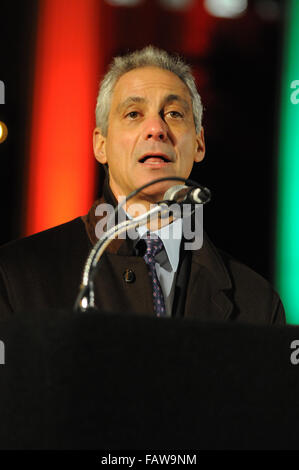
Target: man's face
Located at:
point(151, 133)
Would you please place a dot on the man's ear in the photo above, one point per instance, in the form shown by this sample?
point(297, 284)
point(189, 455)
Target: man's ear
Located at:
point(99, 146)
point(200, 146)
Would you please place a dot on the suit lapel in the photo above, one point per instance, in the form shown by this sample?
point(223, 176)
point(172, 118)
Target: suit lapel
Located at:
point(209, 285)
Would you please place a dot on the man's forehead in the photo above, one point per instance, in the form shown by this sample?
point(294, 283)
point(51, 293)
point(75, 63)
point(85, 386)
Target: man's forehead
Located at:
point(149, 85)
point(141, 84)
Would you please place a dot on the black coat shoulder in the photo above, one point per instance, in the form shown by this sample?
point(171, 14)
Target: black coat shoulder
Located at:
point(32, 269)
point(253, 293)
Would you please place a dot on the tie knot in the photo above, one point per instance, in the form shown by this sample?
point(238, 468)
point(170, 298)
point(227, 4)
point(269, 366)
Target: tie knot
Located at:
point(153, 245)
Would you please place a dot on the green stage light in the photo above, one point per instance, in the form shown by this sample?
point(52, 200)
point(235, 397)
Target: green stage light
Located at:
point(287, 245)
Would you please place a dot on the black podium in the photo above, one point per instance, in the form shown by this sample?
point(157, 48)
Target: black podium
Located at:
point(98, 381)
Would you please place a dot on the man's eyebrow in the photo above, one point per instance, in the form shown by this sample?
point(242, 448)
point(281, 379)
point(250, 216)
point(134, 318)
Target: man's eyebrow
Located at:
point(130, 100)
point(170, 98)
point(139, 99)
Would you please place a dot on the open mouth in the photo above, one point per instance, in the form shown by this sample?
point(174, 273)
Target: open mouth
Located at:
point(155, 159)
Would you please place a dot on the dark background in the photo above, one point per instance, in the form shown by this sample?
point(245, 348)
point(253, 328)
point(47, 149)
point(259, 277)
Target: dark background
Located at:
point(238, 75)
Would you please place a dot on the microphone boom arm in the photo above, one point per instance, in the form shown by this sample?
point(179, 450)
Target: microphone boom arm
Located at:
point(86, 288)
point(85, 298)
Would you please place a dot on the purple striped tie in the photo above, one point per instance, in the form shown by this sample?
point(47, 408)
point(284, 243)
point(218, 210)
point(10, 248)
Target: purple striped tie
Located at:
point(153, 247)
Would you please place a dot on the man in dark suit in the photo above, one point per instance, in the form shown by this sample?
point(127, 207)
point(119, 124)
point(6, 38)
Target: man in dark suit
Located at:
point(148, 126)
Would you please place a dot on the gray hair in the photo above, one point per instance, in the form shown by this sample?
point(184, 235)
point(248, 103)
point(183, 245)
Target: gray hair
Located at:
point(149, 56)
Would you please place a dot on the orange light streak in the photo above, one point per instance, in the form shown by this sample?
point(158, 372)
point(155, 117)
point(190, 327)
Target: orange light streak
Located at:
point(61, 170)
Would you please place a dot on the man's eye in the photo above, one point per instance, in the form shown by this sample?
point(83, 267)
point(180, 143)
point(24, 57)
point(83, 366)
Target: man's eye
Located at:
point(174, 114)
point(132, 114)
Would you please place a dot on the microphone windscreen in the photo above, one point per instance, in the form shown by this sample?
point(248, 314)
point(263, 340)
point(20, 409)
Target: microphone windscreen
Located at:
point(172, 191)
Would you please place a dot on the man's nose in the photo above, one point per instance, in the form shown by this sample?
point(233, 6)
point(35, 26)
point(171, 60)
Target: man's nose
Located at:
point(155, 129)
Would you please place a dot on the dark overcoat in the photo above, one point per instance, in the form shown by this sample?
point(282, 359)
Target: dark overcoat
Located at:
point(44, 271)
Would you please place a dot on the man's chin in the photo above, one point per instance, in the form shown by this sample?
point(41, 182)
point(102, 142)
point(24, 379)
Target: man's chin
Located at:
point(143, 176)
point(155, 192)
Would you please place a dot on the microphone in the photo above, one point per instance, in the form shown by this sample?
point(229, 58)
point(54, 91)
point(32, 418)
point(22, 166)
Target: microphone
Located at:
point(194, 194)
point(187, 194)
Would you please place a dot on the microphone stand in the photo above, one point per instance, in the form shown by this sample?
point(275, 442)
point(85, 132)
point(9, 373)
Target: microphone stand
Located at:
point(86, 298)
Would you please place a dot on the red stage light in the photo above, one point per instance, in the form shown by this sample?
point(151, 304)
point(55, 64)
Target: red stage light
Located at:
point(61, 170)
